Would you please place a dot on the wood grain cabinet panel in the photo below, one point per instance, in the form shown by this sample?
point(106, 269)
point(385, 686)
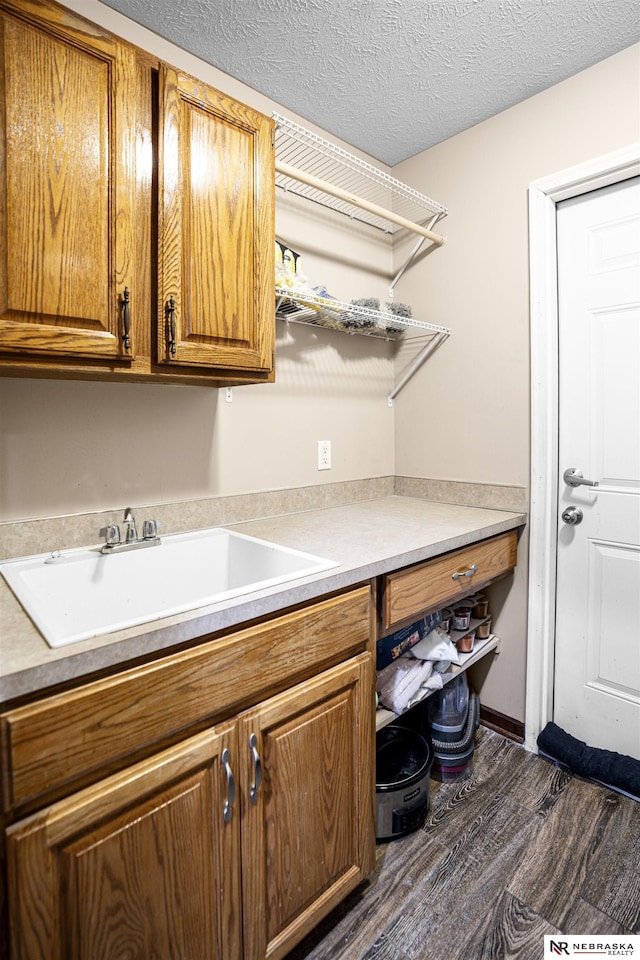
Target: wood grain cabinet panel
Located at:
point(216, 230)
point(407, 593)
point(143, 864)
point(67, 155)
point(309, 836)
point(109, 159)
point(74, 736)
point(228, 846)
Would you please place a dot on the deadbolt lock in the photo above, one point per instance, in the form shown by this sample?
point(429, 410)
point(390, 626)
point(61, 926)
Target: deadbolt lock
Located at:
point(572, 515)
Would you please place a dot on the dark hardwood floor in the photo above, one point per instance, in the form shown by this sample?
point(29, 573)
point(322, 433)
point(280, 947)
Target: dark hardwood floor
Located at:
point(519, 850)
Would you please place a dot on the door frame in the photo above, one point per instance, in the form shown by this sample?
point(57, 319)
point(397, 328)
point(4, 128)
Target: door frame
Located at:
point(544, 194)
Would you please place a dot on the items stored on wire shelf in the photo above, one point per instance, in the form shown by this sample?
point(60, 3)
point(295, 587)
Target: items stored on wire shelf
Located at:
point(348, 317)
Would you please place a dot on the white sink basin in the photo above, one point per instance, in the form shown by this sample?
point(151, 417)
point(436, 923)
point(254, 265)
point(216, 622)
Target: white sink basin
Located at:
point(83, 593)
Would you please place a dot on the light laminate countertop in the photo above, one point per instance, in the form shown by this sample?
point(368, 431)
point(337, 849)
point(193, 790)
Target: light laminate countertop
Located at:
point(367, 538)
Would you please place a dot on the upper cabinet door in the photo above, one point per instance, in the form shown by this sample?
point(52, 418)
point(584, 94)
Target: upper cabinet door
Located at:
point(67, 156)
point(216, 229)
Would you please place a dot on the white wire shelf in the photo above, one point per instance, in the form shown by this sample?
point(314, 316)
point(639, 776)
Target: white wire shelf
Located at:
point(318, 170)
point(347, 317)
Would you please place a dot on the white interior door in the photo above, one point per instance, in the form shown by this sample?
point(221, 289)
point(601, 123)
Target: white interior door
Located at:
point(597, 652)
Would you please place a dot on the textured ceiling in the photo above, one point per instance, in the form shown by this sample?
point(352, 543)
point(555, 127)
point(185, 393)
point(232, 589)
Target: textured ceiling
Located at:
point(394, 77)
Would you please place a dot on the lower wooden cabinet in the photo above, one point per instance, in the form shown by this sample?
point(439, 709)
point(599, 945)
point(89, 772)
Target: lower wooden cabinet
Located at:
point(445, 579)
point(140, 865)
point(232, 844)
point(308, 833)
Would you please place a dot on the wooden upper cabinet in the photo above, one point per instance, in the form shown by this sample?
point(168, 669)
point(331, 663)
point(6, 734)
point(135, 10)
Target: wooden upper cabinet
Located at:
point(67, 154)
point(86, 119)
point(216, 229)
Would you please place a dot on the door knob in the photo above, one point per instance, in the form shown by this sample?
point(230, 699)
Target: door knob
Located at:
point(574, 478)
point(572, 515)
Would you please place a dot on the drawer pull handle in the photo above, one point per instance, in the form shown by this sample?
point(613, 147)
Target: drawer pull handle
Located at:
point(465, 573)
point(231, 786)
point(257, 769)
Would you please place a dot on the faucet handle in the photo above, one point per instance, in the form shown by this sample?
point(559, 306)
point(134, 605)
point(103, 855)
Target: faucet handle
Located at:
point(111, 535)
point(150, 529)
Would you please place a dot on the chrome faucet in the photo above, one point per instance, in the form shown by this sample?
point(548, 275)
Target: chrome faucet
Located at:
point(114, 543)
point(132, 533)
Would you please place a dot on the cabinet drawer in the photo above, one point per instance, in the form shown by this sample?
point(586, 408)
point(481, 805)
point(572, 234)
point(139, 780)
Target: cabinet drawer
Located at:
point(430, 585)
point(76, 736)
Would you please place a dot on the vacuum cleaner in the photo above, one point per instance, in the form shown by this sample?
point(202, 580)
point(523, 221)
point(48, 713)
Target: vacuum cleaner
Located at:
point(454, 719)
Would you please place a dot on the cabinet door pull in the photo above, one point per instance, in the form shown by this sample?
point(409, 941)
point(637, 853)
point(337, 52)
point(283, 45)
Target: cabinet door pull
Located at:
point(465, 573)
point(257, 768)
point(231, 786)
point(171, 314)
point(126, 320)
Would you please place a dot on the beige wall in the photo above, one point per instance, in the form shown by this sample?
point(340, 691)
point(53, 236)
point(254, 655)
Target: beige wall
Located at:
point(465, 415)
point(73, 447)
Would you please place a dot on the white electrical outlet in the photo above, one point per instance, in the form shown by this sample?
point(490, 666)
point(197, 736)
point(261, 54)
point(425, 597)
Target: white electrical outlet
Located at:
point(324, 454)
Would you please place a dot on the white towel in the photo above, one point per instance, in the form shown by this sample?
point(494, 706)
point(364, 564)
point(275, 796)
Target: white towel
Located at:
point(405, 682)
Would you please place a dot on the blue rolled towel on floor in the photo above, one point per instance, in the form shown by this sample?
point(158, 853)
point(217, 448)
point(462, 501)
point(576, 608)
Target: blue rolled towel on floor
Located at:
point(605, 766)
